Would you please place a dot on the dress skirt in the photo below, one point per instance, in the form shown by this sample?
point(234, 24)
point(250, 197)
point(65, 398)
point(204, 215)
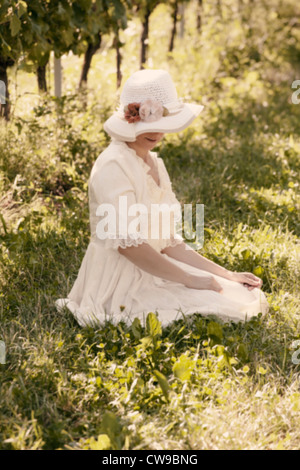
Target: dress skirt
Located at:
point(117, 290)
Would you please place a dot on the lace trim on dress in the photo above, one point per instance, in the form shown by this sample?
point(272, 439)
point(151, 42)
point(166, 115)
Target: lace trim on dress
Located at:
point(157, 189)
point(115, 243)
point(164, 191)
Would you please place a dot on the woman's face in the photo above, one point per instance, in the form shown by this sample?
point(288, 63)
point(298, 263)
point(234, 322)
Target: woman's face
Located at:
point(149, 140)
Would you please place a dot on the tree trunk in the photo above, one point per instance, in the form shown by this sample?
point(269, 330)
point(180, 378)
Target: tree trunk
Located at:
point(57, 77)
point(41, 78)
point(199, 15)
point(4, 106)
point(144, 38)
point(182, 20)
point(174, 29)
point(88, 56)
point(117, 45)
point(219, 8)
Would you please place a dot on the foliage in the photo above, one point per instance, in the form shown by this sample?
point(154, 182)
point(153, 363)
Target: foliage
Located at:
point(29, 30)
point(31, 26)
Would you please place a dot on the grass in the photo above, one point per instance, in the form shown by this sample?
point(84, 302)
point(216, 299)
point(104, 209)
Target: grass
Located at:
point(197, 384)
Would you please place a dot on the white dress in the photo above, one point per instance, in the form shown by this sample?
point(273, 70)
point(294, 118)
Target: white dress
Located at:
point(110, 287)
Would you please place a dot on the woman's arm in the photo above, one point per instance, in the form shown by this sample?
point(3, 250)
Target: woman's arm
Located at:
point(186, 254)
point(149, 260)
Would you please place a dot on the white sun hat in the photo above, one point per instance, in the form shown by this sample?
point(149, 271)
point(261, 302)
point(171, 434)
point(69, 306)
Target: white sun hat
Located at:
point(149, 103)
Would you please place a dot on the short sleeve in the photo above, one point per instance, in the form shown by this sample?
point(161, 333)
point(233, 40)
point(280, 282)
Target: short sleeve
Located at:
point(112, 195)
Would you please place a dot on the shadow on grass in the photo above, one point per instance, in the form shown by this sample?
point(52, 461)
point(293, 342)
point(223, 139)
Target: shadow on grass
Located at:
point(246, 151)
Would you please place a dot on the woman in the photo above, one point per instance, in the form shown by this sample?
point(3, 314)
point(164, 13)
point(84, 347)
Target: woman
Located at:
point(127, 270)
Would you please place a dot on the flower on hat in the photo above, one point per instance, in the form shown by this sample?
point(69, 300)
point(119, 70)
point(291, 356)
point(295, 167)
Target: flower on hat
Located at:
point(147, 111)
point(132, 112)
point(151, 111)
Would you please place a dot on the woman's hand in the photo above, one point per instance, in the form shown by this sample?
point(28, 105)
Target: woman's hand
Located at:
point(205, 281)
point(249, 280)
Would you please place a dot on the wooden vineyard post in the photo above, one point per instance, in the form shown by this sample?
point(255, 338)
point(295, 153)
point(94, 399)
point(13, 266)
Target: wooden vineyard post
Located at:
point(57, 77)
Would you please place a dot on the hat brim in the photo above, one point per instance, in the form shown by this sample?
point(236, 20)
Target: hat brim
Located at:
point(122, 130)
